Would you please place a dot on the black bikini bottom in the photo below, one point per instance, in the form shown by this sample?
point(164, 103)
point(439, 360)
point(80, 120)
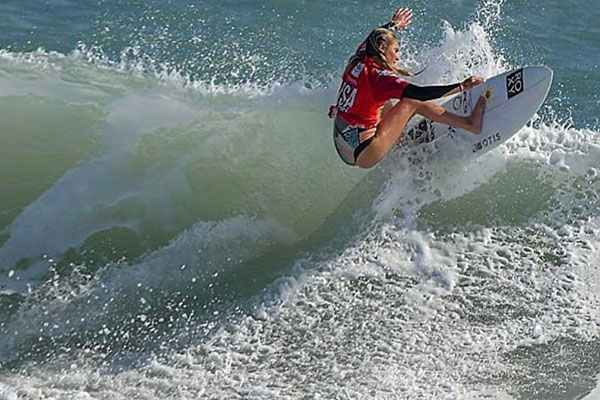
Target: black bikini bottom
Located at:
point(347, 141)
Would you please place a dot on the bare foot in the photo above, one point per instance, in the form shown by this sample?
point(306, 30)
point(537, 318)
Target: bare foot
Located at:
point(476, 117)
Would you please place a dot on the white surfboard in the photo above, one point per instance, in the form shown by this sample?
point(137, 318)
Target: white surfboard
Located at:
point(512, 99)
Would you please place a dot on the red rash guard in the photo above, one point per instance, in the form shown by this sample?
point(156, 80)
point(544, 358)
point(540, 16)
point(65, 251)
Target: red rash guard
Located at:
point(365, 89)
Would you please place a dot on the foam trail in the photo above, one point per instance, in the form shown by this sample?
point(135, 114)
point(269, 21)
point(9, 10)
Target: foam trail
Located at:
point(475, 281)
point(84, 304)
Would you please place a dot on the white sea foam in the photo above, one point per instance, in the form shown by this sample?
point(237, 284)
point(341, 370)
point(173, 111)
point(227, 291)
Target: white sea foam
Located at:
point(402, 311)
point(87, 303)
point(372, 323)
point(91, 63)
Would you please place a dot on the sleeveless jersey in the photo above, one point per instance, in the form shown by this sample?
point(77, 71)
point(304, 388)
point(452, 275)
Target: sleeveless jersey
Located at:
point(365, 89)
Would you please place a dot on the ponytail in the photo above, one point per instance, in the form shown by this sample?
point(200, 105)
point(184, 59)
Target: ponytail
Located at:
point(371, 48)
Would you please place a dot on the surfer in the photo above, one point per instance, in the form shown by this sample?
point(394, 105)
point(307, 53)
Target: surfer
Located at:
point(367, 123)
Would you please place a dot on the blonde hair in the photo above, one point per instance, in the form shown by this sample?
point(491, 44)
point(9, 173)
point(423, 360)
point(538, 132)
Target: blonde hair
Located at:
point(376, 38)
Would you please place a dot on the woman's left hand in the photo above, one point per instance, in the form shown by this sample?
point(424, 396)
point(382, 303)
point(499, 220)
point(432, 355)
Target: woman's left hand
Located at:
point(471, 82)
point(402, 17)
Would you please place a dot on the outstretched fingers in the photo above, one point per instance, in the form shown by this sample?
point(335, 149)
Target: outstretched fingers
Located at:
point(402, 17)
point(471, 82)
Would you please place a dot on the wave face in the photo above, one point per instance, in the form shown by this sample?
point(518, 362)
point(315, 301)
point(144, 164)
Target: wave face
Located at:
point(175, 223)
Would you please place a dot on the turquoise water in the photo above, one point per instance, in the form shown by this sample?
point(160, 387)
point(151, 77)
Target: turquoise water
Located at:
point(175, 223)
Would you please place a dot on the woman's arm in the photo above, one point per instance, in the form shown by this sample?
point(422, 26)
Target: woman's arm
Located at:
point(400, 20)
point(425, 93)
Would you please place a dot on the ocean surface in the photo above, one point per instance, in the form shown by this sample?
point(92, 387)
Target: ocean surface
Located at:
point(175, 222)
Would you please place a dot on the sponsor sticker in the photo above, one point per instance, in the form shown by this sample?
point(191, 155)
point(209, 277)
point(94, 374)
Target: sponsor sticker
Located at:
point(422, 133)
point(488, 141)
point(462, 103)
point(358, 68)
point(514, 83)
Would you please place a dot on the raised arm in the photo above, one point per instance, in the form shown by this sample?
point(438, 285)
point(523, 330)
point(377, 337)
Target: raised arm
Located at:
point(400, 20)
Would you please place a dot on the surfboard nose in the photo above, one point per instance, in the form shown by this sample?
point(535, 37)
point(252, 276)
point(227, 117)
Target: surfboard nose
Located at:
point(539, 73)
point(537, 79)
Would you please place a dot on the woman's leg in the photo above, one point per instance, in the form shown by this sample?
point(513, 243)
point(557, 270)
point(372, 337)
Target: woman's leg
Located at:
point(391, 126)
point(387, 107)
point(471, 123)
point(387, 133)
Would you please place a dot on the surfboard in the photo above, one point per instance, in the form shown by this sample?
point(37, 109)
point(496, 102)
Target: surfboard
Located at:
point(512, 98)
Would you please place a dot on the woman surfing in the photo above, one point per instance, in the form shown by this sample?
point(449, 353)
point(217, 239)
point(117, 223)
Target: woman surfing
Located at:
point(367, 124)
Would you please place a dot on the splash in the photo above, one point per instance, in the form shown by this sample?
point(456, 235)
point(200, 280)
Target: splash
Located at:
point(485, 270)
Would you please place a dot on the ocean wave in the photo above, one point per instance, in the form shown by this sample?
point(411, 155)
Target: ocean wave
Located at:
point(209, 240)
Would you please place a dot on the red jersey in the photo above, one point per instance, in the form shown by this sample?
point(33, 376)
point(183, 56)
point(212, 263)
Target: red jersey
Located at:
point(365, 89)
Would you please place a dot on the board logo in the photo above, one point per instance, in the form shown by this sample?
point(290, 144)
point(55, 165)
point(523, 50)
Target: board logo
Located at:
point(514, 83)
point(422, 133)
point(489, 92)
point(488, 141)
point(461, 103)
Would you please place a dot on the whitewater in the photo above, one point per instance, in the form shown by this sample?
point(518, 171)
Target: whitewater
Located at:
point(175, 222)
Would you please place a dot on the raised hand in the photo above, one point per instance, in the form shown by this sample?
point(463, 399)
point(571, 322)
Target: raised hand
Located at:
point(402, 18)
